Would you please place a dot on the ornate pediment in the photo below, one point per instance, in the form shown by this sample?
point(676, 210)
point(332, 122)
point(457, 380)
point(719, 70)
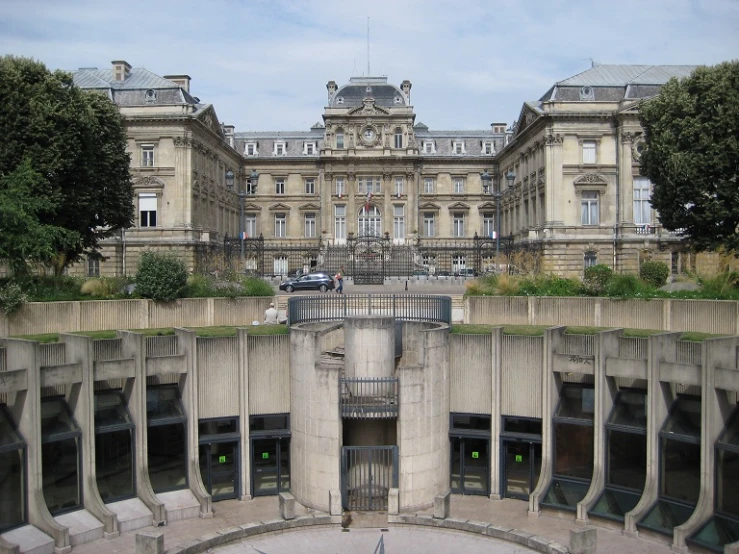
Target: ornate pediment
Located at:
point(309, 207)
point(430, 207)
point(526, 118)
point(279, 207)
point(210, 120)
point(148, 182)
point(251, 207)
point(369, 107)
point(591, 179)
point(459, 206)
point(485, 206)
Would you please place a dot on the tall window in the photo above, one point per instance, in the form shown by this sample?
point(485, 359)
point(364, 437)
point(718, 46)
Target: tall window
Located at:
point(251, 149)
point(370, 222)
point(310, 225)
point(60, 456)
point(310, 186)
point(428, 185)
point(339, 139)
point(250, 225)
point(93, 267)
point(340, 187)
point(429, 226)
point(13, 512)
point(398, 222)
point(459, 263)
point(113, 447)
point(428, 147)
point(487, 148)
point(488, 225)
point(458, 225)
point(280, 225)
point(588, 152)
point(280, 186)
point(280, 148)
point(310, 148)
point(398, 186)
point(147, 155)
point(147, 210)
point(250, 187)
point(589, 208)
point(340, 222)
point(458, 185)
point(591, 259)
point(458, 147)
point(398, 138)
point(369, 184)
point(642, 207)
point(279, 265)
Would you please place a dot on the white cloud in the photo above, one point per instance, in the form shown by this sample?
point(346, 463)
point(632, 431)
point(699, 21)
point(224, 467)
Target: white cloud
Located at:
point(264, 63)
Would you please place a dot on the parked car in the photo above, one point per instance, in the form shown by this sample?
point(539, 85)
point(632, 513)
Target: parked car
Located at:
point(466, 272)
point(311, 281)
point(443, 274)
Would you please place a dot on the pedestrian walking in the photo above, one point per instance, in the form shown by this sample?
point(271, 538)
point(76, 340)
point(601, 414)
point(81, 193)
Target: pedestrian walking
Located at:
point(340, 281)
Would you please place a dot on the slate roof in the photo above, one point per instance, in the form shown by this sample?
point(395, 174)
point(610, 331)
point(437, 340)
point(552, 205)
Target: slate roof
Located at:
point(359, 88)
point(132, 90)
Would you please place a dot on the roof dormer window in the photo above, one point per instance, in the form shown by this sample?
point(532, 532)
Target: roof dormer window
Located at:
point(309, 148)
point(280, 148)
point(458, 147)
point(398, 100)
point(250, 148)
point(339, 100)
point(429, 147)
point(487, 148)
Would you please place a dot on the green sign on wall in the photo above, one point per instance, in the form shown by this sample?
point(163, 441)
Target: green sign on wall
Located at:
point(221, 459)
point(265, 455)
point(519, 458)
point(475, 455)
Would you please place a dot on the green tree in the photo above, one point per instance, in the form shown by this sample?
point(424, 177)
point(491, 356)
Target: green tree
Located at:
point(75, 143)
point(692, 155)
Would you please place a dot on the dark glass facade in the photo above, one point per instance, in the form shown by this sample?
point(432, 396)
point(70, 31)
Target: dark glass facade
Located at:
point(12, 474)
point(114, 467)
point(270, 454)
point(166, 439)
point(218, 454)
point(61, 464)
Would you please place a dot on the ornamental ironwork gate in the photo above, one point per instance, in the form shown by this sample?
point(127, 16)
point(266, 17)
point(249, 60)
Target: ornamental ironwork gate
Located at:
point(368, 255)
point(367, 475)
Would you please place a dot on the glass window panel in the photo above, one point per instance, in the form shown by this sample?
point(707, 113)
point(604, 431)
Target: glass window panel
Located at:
point(727, 486)
point(471, 422)
point(680, 470)
point(271, 422)
point(456, 467)
point(525, 426)
point(730, 437)
point(565, 494)
point(684, 418)
point(576, 402)
point(629, 410)
point(114, 465)
point(56, 419)
point(167, 449)
point(217, 426)
point(665, 516)
point(110, 410)
point(12, 489)
point(284, 465)
point(615, 503)
point(61, 480)
point(573, 447)
point(716, 533)
point(627, 460)
point(8, 434)
point(163, 403)
point(264, 466)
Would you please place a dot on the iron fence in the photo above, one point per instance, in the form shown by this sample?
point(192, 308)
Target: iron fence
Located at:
point(367, 474)
point(369, 397)
point(407, 307)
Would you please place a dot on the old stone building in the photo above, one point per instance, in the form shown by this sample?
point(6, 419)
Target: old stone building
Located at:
point(565, 178)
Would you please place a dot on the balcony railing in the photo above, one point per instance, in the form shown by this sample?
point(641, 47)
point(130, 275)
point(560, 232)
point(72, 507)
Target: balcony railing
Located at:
point(369, 398)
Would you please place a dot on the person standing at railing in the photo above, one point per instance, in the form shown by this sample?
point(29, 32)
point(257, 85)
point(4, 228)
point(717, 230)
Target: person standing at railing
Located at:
point(340, 281)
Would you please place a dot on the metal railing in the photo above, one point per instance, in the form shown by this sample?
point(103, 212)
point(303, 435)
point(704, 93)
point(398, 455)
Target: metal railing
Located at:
point(407, 307)
point(369, 397)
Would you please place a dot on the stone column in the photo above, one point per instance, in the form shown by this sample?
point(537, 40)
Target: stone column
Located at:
point(351, 205)
point(553, 154)
point(412, 207)
point(369, 346)
point(183, 180)
point(325, 184)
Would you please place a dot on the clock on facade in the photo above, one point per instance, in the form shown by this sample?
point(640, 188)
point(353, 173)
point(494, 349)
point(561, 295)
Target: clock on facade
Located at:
point(368, 134)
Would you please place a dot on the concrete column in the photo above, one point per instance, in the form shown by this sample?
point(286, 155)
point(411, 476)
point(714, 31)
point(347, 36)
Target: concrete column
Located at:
point(315, 445)
point(245, 454)
point(369, 348)
point(496, 368)
point(605, 390)
point(551, 383)
point(26, 410)
point(287, 505)
point(149, 543)
point(187, 345)
point(79, 350)
point(134, 347)
point(661, 348)
point(584, 541)
point(716, 409)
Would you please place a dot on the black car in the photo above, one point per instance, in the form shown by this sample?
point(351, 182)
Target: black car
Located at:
point(311, 281)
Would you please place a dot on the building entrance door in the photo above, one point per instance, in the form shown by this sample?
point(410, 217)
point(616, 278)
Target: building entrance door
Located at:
point(270, 463)
point(219, 468)
point(469, 465)
point(521, 467)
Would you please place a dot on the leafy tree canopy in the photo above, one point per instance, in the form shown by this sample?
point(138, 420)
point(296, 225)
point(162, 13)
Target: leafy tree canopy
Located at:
point(692, 155)
point(66, 148)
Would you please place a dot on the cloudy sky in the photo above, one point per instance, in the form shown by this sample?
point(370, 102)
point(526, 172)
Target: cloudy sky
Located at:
point(264, 64)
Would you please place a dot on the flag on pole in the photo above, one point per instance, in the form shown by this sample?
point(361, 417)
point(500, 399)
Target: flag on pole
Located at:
point(369, 199)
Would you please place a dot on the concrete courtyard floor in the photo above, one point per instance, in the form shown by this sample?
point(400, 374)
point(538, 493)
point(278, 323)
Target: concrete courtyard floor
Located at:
point(360, 539)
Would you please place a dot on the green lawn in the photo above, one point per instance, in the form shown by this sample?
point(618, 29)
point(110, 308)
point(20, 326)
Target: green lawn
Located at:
point(538, 331)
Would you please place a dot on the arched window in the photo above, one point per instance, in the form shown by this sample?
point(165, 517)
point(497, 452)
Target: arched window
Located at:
point(398, 138)
point(370, 222)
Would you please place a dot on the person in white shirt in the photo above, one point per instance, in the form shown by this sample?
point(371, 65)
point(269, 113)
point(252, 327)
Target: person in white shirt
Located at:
point(270, 315)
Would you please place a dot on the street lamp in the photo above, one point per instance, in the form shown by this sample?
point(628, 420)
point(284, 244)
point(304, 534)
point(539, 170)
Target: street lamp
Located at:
point(254, 177)
point(488, 189)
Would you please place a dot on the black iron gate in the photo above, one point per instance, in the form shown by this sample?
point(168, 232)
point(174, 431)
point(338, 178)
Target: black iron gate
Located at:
point(367, 475)
point(368, 255)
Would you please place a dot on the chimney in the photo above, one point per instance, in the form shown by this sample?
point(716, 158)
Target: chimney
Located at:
point(405, 86)
point(498, 127)
point(331, 87)
point(228, 131)
point(121, 70)
point(180, 80)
